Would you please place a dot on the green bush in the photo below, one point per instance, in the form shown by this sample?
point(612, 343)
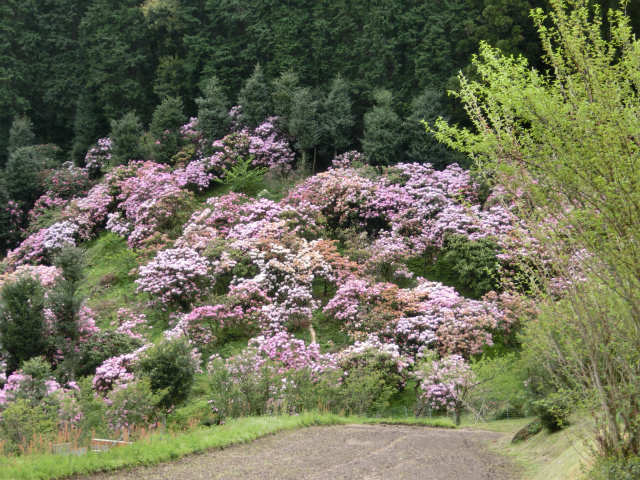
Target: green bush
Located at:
point(553, 412)
point(102, 346)
point(23, 422)
point(170, 367)
point(243, 177)
point(134, 405)
point(22, 320)
point(364, 391)
point(474, 262)
point(21, 134)
point(616, 469)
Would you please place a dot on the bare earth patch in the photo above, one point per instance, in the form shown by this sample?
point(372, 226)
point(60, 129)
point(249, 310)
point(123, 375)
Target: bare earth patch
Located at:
point(344, 452)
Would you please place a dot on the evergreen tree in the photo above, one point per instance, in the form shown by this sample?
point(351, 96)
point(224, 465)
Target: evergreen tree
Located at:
point(65, 301)
point(126, 139)
point(284, 90)
point(422, 146)
point(255, 99)
point(119, 65)
point(382, 131)
point(22, 320)
point(170, 77)
point(165, 129)
point(21, 134)
point(337, 119)
point(303, 124)
point(88, 126)
point(213, 111)
point(21, 176)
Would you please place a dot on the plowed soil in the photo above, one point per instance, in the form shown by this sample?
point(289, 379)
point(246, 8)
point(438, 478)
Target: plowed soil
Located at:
point(344, 452)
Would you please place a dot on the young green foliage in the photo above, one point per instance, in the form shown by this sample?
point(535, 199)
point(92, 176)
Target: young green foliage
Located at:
point(565, 145)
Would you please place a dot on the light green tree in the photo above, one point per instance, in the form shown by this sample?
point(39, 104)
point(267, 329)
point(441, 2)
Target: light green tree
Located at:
point(565, 144)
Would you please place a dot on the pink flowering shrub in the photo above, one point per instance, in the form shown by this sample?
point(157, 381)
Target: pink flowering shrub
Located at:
point(116, 371)
point(98, 157)
point(39, 247)
point(351, 159)
point(374, 355)
point(14, 230)
point(203, 325)
point(265, 145)
point(133, 324)
point(68, 182)
point(133, 404)
point(151, 202)
point(46, 275)
point(46, 211)
point(43, 392)
point(175, 277)
point(274, 374)
point(76, 220)
point(444, 384)
point(429, 316)
point(288, 353)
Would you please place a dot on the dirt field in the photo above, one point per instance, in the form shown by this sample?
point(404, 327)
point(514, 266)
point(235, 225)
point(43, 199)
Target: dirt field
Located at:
point(344, 452)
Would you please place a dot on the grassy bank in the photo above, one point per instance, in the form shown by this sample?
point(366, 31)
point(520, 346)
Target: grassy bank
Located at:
point(158, 447)
point(546, 456)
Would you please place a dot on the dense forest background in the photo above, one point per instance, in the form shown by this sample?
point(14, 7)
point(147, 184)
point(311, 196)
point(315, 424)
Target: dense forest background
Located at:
point(72, 66)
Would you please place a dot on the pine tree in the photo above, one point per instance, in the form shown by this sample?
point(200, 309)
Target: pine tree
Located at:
point(65, 302)
point(422, 146)
point(382, 131)
point(88, 126)
point(284, 91)
point(165, 129)
point(213, 111)
point(337, 119)
point(255, 99)
point(21, 176)
point(303, 124)
point(21, 134)
point(126, 139)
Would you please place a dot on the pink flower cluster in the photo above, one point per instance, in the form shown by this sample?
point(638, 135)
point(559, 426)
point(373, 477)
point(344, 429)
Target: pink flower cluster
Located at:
point(47, 393)
point(98, 156)
point(133, 324)
point(116, 371)
point(46, 275)
point(429, 316)
point(150, 199)
point(78, 219)
point(176, 275)
point(203, 324)
point(445, 382)
point(266, 145)
point(68, 182)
